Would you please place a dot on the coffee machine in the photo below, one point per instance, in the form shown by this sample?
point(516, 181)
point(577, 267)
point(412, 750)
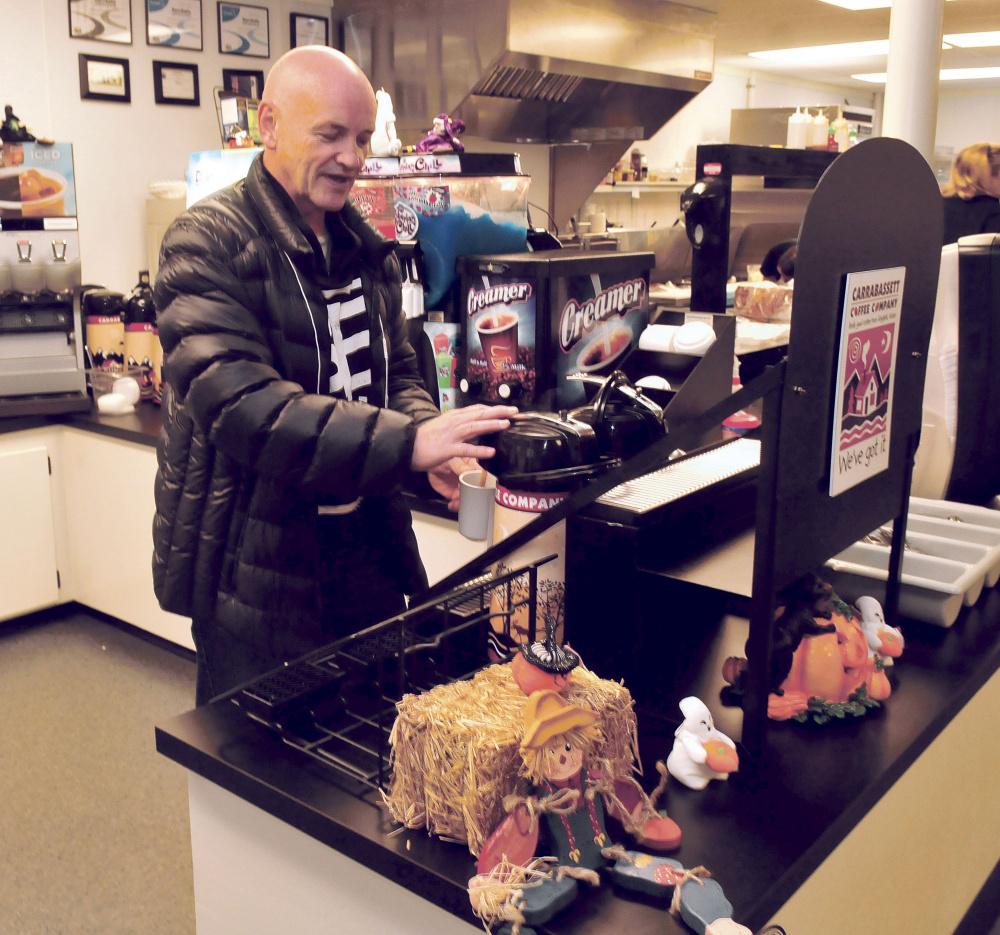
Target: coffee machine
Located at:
point(41, 332)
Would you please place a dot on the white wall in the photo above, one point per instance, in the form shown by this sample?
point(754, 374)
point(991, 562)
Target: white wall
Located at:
point(967, 117)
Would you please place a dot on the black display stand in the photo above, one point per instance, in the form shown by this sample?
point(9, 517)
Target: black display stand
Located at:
point(877, 207)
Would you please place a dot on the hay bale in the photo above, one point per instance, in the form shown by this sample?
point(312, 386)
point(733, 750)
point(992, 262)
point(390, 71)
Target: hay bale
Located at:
point(455, 749)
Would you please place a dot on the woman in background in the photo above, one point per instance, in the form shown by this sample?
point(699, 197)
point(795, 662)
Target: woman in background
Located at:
point(972, 197)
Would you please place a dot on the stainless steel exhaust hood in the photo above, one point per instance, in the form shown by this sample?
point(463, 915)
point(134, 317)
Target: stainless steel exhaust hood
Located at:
point(597, 73)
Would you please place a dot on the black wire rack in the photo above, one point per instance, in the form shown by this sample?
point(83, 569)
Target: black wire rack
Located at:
point(338, 703)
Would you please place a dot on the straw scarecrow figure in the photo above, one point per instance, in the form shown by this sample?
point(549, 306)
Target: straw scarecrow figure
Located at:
point(572, 789)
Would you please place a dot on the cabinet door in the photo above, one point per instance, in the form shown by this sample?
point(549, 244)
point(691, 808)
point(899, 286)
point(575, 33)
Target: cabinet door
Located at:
point(28, 579)
point(108, 487)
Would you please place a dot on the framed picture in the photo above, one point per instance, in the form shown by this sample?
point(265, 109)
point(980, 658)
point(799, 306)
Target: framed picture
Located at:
point(175, 23)
point(176, 83)
point(103, 20)
point(104, 79)
point(244, 83)
point(308, 30)
point(244, 30)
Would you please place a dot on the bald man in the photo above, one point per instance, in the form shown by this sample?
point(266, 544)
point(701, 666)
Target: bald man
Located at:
point(293, 410)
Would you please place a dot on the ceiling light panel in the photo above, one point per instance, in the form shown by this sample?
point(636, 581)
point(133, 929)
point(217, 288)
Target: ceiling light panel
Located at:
point(818, 54)
point(974, 40)
point(947, 74)
point(861, 4)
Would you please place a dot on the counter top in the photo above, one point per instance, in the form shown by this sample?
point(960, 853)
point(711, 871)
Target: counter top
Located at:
point(141, 426)
point(761, 834)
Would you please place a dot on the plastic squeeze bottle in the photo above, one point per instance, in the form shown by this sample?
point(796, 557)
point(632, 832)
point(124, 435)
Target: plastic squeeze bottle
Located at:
point(798, 130)
point(820, 130)
point(841, 130)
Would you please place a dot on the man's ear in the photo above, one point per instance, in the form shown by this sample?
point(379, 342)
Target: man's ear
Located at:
point(267, 124)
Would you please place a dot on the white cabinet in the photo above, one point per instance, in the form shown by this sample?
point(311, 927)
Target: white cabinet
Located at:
point(28, 567)
point(108, 488)
point(82, 533)
point(92, 519)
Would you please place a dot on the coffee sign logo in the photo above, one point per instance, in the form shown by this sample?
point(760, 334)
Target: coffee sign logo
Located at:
point(579, 319)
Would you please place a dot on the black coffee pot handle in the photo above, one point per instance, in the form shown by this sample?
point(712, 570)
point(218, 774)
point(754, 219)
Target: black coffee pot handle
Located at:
point(620, 382)
point(594, 469)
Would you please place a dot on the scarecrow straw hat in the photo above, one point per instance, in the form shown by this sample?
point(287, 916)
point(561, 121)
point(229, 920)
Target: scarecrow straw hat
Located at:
point(547, 714)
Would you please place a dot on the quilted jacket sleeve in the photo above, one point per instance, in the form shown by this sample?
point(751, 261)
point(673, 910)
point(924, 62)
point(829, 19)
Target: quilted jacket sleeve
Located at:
point(223, 301)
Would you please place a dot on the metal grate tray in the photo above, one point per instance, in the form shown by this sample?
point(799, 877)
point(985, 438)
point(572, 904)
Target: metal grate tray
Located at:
point(338, 703)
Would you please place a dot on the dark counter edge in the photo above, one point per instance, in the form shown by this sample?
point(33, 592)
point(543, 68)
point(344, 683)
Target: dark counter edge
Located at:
point(186, 740)
point(143, 428)
point(796, 875)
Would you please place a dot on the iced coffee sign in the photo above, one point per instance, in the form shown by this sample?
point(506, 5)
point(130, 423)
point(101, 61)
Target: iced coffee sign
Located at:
point(862, 420)
point(37, 181)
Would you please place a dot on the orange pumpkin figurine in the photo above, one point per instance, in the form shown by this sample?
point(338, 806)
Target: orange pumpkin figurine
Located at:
point(822, 664)
point(543, 665)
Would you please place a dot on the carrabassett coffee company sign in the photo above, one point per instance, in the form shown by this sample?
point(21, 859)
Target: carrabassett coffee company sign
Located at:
point(862, 420)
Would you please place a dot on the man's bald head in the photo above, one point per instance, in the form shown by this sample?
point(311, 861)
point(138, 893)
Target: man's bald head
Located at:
point(307, 65)
point(316, 116)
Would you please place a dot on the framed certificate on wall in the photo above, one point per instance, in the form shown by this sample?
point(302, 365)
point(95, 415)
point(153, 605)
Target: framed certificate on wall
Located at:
point(104, 79)
point(176, 83)
point(174, 23)
point(244, 30)
point(308, 30)
point(102, 20)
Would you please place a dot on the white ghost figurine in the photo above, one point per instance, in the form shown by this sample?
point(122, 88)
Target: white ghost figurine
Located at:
point(883, 640)
point(700, 752)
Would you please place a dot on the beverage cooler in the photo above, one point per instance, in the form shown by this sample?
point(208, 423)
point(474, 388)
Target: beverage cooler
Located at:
point(41, 335)
point(531, 320)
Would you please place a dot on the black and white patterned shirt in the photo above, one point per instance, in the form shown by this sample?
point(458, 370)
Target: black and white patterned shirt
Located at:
point(347, 319)
point(350, 341)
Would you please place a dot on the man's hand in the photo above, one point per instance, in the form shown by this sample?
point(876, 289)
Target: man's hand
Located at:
point(444, 478)
point(444, 449)
point(450, 435)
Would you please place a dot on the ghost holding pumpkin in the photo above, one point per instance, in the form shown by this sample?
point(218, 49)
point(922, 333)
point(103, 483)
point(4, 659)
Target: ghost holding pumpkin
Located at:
point(700, 752)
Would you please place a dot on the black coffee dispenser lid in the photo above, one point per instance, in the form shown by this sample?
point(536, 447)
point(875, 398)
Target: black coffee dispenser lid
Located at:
point(102, 302)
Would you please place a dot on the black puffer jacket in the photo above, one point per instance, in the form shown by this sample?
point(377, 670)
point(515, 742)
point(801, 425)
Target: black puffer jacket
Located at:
point(250, 444)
